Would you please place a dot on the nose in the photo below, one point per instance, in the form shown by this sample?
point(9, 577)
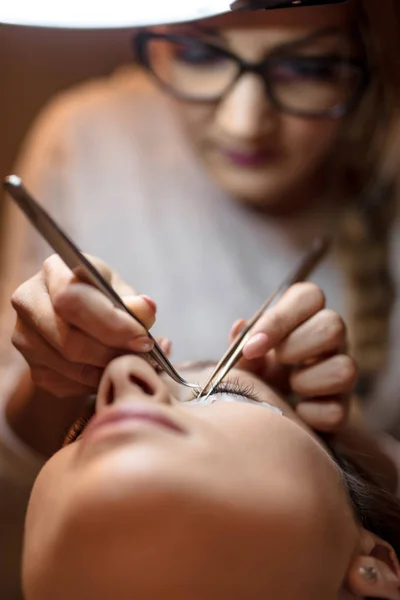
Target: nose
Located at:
point(246, 112)
point(131, 379)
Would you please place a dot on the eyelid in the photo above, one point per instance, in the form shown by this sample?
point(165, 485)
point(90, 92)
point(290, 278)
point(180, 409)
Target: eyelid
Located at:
point(213, 397)
point(231, 390)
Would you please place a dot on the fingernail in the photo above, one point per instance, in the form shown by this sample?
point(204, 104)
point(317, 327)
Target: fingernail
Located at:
point(165, 345)
point(256, 346)
point(237, 327)
point(141, 344)
point(150, 302)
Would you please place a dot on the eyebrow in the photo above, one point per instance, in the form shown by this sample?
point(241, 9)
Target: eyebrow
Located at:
point(196, 28)
point(201, 28)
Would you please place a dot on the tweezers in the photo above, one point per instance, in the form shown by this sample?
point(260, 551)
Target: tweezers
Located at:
point(234, 352)
point(79, 264)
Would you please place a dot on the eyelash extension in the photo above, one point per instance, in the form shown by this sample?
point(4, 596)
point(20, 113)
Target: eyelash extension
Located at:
point(236, 388)
point(76, 430)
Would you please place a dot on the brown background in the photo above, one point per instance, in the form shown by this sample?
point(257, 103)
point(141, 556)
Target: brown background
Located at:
point(35, 63)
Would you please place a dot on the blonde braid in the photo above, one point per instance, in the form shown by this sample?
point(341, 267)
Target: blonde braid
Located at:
point(369, 200)
point(363, 245)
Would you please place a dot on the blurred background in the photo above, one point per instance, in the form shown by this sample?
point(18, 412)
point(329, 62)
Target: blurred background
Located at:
point(37, 63)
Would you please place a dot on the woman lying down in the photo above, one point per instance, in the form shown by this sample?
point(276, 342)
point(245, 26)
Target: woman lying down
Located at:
point(161, 495)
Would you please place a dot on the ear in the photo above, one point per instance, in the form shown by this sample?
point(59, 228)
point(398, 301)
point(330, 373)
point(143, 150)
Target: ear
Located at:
point(375, 572)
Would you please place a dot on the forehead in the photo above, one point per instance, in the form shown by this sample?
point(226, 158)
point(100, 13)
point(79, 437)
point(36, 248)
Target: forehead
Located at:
point(250, 32)
point(303, 19)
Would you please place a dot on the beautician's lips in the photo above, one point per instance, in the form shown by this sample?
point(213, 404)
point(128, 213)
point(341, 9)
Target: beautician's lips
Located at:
point(130, 413)
point(249, 158)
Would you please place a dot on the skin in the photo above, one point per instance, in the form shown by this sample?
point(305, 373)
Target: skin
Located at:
point(55, 348)
point(157, 509)
point(68, 332)
point(238, 479)
point(224, 504)
point(294, 173)
point(235, 501)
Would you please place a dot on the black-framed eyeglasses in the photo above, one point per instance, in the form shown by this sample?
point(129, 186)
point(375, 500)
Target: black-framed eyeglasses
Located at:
point(297, 81)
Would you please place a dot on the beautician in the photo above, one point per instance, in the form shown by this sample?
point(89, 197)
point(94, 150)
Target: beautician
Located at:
point(218, 182)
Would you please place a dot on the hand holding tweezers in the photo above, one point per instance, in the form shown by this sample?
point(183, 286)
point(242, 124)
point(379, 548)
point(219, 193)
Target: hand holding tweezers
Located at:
point(79, 264)
point(234, 352)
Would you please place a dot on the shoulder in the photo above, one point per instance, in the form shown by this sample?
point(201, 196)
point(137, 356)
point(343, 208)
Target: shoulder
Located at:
point(127, 84)
point(102, 100)
point(101, 118)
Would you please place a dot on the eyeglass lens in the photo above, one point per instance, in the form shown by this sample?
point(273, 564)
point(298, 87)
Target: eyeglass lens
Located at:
point(313, 78)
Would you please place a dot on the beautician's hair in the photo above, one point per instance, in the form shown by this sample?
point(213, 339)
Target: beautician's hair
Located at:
point(376, 509)
point(364, 179)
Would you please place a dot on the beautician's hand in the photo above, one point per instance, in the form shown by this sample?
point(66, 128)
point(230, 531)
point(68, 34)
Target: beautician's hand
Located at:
point(299, 347)
point(68, 331)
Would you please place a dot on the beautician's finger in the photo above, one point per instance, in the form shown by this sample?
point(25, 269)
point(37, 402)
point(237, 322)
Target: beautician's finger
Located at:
point(57, 276)
point(41, 318)
point(33, 306)
point(120, 286)
point(299, 303)
point(267, 367)
point(33, 302)
point(58, 279)
point(256, 365)
point(57, 384)
point(323, 333)
point(324, 414)
point(114, 279)
point(87, 309)
point(165, 345)
point(236, 329)
point(143, 307)
point(335, 375)
point(38, 353)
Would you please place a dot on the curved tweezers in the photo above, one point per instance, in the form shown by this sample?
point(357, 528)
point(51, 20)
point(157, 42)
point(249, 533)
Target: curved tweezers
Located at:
point(79, 264)
point(234, 352)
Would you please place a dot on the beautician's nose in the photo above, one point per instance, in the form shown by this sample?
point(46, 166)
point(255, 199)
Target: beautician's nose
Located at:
point(131, 379)
point(245, 113)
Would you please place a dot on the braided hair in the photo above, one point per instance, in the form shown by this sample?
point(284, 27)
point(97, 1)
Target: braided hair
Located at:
point(365, 182)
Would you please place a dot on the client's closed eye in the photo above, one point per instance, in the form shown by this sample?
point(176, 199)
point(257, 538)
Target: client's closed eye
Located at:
point(76, 430)
point(233, 391)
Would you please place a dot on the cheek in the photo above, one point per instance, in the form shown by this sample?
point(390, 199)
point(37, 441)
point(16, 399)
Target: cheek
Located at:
point(197, 120)
point(309, 139)
point(49, 496)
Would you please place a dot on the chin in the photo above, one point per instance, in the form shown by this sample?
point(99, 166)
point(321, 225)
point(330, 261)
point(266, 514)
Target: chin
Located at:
point(271, 191)
point(251, 188)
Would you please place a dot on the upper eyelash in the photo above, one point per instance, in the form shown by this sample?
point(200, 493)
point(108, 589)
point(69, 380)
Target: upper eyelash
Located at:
point(76, 430)
point(234, 387)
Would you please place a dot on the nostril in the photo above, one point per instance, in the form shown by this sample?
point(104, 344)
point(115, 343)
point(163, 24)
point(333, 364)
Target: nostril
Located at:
point(147, 389)
point(110, 394)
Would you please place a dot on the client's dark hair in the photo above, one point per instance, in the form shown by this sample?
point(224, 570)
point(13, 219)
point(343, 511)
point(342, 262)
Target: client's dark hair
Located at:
point(376, 509)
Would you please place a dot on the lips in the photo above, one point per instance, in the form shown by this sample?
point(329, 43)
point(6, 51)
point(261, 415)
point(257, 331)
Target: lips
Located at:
point(112, 418)
point(249, 158)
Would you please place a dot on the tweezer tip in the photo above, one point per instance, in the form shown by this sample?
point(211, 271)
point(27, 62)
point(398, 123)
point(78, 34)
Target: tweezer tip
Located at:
point(11, 180)
point(207, 393)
